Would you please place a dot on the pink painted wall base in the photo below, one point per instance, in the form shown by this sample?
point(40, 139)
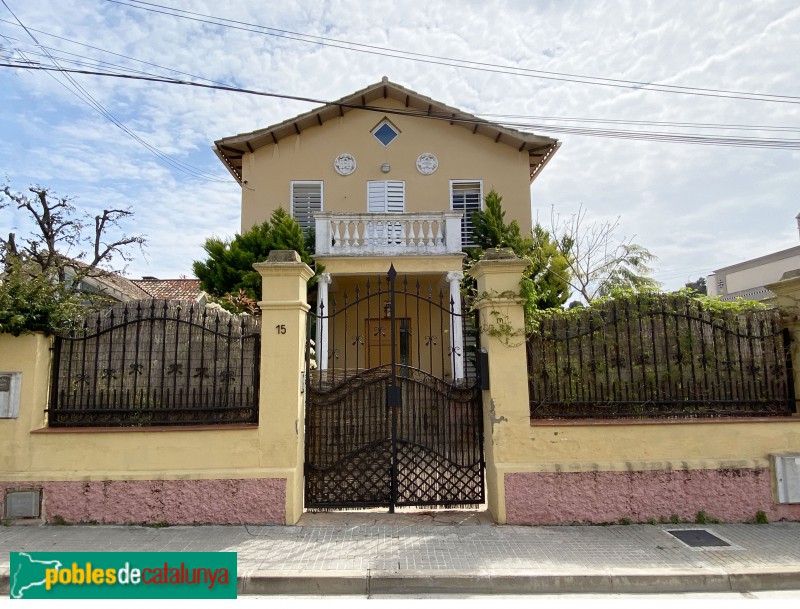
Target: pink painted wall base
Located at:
point(731, 495)
point(242, 501)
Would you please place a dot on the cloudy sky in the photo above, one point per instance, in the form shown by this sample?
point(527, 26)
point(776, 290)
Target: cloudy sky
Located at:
point(697, 207)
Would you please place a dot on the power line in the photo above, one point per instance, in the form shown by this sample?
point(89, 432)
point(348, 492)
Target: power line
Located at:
point(102, 50)
point(450, 61)
point(775, 128)
point(490, 116)
point(775, 143)
point(81, 93)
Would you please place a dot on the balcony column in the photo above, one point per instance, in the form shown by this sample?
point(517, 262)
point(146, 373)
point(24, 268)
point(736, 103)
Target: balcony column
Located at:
point(456, 332)
point(323, 313)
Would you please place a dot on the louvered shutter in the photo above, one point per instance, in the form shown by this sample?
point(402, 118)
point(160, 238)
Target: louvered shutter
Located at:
point(466, 197)
point(395, 197)
point(306, 201)
point(386, 196)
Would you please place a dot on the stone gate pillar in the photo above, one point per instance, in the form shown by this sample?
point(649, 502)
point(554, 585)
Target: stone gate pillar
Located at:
point(787, 297)
point(506, 409)
point(284, 305)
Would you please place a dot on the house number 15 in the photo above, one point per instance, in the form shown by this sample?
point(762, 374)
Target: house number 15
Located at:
point(280, 328)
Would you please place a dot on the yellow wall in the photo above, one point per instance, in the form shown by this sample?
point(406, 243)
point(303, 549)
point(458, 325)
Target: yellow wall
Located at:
point(699, 444)
point(126, 453)
point(269, 171)
point(514, 445)
point(425, 319)
point(379, 265)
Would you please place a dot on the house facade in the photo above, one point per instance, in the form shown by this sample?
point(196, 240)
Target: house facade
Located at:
point(387, 177)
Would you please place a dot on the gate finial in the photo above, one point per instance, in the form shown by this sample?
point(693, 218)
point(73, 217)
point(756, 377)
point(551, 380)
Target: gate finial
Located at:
point(392, 273)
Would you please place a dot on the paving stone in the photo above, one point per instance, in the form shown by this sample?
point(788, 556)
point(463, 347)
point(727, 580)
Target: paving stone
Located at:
point(426, 546)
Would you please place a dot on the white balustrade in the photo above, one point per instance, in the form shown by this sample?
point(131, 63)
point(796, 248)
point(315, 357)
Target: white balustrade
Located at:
point(349, 234)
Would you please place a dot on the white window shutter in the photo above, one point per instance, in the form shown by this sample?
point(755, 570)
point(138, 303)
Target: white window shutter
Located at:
point(376, 197)
point(396, 197)
point(306, 201)
point(386, 196)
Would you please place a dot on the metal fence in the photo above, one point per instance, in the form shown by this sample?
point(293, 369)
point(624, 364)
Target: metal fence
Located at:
point(659, 357)
point(156, 363)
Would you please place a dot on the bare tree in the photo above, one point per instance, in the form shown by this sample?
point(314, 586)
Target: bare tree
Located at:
point(61, 243)
point(598, 262)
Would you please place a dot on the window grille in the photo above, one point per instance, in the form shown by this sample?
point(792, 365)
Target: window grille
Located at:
point(306, 201)
point(466, 197)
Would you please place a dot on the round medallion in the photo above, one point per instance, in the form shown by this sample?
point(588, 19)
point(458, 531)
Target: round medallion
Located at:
point(427, 163)
point(344, 164)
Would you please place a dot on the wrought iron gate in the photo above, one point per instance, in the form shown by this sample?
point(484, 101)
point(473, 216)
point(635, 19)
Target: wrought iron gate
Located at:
point(393, 409)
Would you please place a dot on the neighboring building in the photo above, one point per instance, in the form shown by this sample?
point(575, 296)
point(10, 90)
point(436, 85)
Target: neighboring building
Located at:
point(113, 286)
point(170, 289)
point(393, 183)
point(121, 289)
point(747, 279)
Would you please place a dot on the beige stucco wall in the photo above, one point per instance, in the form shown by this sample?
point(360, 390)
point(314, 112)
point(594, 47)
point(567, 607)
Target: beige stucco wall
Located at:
point(515, 445)
point(269, 171)
point(27, 454)
point(379, 265)
point(428, 317)
point(620, 446)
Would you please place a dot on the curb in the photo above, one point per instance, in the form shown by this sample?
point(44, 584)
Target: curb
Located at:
point(398, 583)
point(454, 583)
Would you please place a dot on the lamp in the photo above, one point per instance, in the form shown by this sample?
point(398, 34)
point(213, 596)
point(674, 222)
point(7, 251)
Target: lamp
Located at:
point(386, 167)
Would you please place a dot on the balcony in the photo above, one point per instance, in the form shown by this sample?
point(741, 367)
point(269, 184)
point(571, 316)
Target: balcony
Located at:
point(387, 234)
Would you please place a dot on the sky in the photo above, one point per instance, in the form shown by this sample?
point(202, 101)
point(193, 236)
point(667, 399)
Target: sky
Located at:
point(696, 207)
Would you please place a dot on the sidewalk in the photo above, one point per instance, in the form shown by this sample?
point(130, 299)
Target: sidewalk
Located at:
point(452, 553)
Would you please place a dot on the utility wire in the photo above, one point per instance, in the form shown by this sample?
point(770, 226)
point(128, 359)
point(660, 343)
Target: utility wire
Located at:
point(686, 125)
point(102, 50)
point(65, 57)
point(777, 143)
point(450, 61)
point(654, 123)
point(81, 93)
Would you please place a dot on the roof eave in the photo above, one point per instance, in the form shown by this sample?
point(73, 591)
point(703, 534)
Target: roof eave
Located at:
point(317, 116)
point(535, 171)
point(226, 161)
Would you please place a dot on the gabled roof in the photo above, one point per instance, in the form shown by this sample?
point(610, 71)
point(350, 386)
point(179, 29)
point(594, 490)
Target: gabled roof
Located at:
point(230, 150)
point(104, 282)
point(170, 289)
point(121, 288)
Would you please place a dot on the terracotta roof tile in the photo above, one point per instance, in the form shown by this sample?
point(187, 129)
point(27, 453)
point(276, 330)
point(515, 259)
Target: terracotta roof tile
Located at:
point(171, 289)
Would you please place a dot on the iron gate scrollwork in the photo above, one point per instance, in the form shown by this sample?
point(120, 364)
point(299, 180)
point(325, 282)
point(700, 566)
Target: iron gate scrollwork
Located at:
point(393, 408)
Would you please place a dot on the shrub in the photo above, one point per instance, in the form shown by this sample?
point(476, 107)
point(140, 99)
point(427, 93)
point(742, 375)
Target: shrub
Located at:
point(35, 303)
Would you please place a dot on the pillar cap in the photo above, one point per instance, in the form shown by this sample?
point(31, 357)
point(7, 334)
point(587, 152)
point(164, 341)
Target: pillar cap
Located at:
point(283, 256)
point(284, 262)
point(500, 253)
point(501, 260)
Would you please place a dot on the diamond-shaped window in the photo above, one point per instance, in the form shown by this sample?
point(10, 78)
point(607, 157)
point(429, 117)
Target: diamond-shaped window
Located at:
point(385, 133)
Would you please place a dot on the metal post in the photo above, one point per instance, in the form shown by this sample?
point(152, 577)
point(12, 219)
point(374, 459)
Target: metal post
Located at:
point(321, 345)
point(393, 397)
point(456, 331)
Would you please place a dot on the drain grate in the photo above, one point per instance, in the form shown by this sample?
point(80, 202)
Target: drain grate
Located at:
point(699, 538)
